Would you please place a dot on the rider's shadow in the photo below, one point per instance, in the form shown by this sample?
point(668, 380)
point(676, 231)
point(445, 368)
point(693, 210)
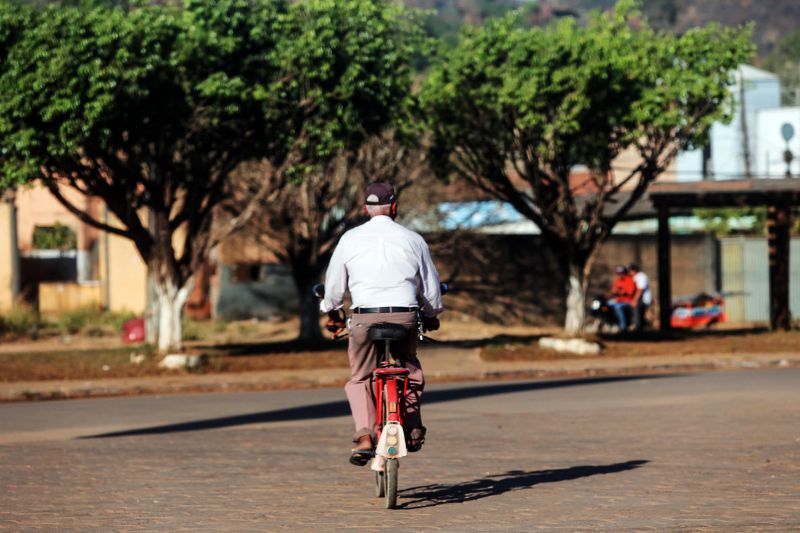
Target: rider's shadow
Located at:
point(436, 494)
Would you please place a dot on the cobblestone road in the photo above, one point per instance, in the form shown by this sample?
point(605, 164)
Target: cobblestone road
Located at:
point(704, 452)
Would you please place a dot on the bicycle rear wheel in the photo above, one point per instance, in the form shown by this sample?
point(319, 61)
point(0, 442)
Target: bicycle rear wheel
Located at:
point(390, 475)
point(380, 477)
point(380, 484)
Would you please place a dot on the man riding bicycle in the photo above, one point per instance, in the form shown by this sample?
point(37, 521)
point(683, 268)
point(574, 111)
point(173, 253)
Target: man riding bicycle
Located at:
point(390, 275)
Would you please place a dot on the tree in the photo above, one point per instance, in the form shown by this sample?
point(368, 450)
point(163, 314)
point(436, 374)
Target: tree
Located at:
point(150, 109)
point(349, 62)
point(514, 110)
point(304, 220)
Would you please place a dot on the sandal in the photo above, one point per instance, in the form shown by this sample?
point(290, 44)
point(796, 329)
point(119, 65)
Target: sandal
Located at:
point(363, 452)
point(360, 457)
point(416, 438)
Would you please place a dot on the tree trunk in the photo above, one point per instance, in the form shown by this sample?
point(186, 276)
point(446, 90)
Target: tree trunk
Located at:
point(576, 301)
point(309, 317)
point(169, 302)
point(309, 306)
point(579, 270)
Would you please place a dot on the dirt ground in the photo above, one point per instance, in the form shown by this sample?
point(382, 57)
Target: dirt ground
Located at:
point(259, 345)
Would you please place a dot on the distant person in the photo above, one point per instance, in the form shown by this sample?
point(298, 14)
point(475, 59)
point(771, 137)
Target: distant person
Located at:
point(642, 298)
point(621, 296)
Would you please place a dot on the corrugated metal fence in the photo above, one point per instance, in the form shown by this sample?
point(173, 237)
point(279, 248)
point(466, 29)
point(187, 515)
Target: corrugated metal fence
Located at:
point(745, 278)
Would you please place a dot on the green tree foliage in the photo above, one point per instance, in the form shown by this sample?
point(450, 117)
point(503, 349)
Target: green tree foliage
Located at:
point(725, 221)
point(514, 110)
point(348, 64)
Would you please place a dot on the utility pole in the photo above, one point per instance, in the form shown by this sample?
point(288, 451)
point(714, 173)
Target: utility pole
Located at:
point(743, 120)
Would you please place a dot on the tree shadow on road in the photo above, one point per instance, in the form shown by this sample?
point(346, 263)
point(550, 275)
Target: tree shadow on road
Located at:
point(245, 349)
point(493, 485)
point(340, 408)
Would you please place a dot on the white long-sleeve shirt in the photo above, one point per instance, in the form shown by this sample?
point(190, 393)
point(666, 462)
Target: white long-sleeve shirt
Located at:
point(643, 284)
point(382, 264)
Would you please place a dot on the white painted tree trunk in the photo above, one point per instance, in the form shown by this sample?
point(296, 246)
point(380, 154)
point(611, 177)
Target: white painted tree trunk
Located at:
point(170, 300)
point(576, 304)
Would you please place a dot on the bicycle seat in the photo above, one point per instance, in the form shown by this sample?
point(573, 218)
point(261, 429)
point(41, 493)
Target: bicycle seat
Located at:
point(387, 332)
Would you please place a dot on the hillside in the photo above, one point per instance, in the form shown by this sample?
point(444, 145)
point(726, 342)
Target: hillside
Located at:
point(773, 19)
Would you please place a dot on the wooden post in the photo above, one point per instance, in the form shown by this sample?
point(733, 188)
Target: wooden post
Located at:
point(778, 242)
point(664, 270)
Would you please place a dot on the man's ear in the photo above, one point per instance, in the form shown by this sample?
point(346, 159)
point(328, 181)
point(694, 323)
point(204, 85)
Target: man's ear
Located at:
point(365, 210)
point(394, 209)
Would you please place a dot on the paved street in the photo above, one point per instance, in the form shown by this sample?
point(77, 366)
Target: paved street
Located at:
point(692, 452)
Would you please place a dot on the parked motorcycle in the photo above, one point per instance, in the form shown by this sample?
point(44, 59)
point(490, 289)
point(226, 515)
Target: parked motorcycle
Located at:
point(604, 320)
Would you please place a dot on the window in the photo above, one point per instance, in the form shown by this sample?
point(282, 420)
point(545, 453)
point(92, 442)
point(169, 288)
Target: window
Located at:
point(56, 237)
point(246, 273)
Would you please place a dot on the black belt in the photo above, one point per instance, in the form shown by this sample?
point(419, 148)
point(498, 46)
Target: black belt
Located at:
point(358, 310)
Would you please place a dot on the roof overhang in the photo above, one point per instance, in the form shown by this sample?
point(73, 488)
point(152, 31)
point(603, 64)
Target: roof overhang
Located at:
point(726, 193)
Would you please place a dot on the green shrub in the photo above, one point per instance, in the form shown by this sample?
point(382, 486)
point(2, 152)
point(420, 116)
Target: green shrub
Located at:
point(20, 321)
point(72, 322)
point(191, 330)
point(92, 321)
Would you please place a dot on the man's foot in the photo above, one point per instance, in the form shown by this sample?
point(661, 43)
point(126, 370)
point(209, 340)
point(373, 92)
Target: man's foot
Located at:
point(416, 438)
point(363, 452)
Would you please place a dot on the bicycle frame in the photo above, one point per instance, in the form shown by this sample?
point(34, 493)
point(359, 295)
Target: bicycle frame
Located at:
point(391, 387)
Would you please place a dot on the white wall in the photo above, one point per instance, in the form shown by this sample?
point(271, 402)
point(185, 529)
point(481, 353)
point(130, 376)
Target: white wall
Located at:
point(761, 91)
point(770, 146)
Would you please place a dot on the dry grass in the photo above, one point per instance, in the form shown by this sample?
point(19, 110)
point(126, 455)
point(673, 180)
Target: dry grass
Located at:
point(723, 341)
point(257, 346)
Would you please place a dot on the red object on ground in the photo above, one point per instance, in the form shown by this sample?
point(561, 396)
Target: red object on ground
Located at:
point(701, 311)
point(133, 330)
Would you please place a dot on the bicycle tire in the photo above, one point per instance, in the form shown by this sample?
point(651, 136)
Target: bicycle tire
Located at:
point(380, 477)
point(390, 475)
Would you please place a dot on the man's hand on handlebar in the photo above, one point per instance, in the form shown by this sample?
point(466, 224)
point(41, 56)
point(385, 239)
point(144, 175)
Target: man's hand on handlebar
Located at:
point(336, 322)
point(430, 323)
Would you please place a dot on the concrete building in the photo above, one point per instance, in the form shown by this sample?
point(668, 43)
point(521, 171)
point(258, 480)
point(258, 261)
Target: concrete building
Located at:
point(95, 269)
point(751, 145)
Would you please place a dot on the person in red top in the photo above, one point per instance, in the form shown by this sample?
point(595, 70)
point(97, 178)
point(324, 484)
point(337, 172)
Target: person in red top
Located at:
point(621, 298)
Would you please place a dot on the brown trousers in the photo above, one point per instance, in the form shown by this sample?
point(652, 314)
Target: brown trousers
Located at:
point(363, 360)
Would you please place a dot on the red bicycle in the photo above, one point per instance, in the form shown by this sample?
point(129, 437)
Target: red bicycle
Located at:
point(391, 386)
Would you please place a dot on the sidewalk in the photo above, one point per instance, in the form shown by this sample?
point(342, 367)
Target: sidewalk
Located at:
point(440, 364)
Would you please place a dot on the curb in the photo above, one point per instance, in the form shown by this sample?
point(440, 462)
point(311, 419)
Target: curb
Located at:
point(277, 380)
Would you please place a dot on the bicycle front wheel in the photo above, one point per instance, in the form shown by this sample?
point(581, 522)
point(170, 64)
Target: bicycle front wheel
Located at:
point(390, 475)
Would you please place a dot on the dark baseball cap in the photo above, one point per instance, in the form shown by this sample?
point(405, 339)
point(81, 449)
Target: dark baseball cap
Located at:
point(379, 193)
